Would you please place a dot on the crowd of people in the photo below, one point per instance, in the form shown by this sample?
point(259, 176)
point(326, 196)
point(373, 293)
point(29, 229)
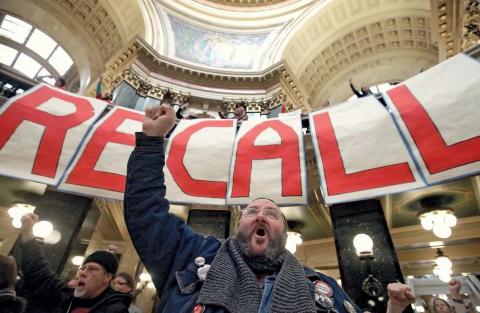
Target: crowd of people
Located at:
point(249, 272)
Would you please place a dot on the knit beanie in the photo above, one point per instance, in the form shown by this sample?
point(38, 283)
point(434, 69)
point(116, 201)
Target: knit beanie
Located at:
point(104, 258)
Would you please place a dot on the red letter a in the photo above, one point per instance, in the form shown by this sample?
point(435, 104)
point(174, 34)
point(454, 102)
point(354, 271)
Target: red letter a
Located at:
point(287, 151)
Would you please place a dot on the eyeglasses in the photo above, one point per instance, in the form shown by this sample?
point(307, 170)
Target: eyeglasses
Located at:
point(271, 214)
point(120, 283)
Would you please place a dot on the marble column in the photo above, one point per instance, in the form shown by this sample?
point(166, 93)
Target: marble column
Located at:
point(365, 279)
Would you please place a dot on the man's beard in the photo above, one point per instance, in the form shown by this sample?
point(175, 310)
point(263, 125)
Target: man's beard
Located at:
point(275, 248)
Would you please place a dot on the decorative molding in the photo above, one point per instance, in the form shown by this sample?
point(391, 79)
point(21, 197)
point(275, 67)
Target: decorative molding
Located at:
point(154, 76)
point(471, 24)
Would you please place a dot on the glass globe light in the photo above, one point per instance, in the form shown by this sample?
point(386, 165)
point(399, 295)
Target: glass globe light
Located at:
point(451, 220)
point(42, 229)
point(53, 238)
point(445, 278)
point(17, 223)
point(20, 209)
point(442, 231)
point(363, 244)
point(443, 262)
point(78, 260)
point(426, 222)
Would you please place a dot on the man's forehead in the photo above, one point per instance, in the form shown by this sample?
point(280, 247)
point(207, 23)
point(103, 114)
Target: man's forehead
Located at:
point(93, 264)
point(261, 202)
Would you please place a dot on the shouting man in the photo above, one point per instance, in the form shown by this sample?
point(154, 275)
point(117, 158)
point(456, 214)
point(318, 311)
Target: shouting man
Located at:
point(92, 292)
point(250, 272)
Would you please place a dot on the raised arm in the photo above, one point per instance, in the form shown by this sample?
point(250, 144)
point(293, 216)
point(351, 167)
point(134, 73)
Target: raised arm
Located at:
point(38, 277)
point(163, 241)
point(355, 91)
point(399, 297)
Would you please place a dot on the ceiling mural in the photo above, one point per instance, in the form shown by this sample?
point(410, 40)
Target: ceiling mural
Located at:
point(216, 49)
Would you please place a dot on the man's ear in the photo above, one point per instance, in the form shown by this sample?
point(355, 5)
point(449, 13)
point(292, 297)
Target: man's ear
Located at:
point(108, 277)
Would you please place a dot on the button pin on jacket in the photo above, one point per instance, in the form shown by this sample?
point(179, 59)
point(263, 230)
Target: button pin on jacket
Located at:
point(349, 306)
point(202, 268)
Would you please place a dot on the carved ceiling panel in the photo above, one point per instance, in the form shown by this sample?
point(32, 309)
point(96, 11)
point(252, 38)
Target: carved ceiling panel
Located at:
point(98, 23)
point(399, 33)
point(343, 34)
point(244, 3)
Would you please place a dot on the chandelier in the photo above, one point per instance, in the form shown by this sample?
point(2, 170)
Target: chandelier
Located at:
point(436, 217)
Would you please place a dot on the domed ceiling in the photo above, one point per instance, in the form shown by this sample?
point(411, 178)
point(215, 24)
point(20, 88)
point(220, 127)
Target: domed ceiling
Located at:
point(324, 43)
point(243, 3)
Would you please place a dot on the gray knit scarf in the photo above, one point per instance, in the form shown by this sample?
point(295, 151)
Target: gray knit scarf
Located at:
point(231, 284)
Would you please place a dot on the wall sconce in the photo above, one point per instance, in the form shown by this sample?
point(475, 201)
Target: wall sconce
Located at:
point(363, 244)
point(371, 285)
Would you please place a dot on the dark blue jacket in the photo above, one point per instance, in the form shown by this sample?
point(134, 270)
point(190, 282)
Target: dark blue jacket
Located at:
point(166, 245)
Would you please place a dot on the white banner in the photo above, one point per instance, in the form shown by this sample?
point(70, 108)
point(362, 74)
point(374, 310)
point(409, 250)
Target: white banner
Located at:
point(40, 131)
point(268, 161)
point(429, 133)
point(198, 160)
point(438, 111)
point(359, 152)
point(100, 166)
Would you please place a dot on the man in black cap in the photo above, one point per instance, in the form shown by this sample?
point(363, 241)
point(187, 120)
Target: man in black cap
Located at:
point(92, 293)
point(251, 272)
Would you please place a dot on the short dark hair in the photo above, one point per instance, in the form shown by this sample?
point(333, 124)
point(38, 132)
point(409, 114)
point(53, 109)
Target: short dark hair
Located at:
point(241, 104)
point(61, 81)
point(8, 272)
point(128, 279)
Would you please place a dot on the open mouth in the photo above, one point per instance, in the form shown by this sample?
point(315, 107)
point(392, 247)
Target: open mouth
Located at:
point(81, 284)
point(260, 232)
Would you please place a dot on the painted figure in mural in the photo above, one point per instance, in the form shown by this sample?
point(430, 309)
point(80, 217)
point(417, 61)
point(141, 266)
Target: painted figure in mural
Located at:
point(249, 272)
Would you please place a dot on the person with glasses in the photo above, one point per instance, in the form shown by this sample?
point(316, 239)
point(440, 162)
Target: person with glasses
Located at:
point(124, 283)
point(249, 272)
point(92, 292)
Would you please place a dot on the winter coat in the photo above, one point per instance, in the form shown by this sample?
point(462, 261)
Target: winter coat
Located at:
point(10, 303)
point(45, 287)
point(168, 247)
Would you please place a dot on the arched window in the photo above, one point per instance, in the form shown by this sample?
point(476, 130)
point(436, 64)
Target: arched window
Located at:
point(31, 51)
